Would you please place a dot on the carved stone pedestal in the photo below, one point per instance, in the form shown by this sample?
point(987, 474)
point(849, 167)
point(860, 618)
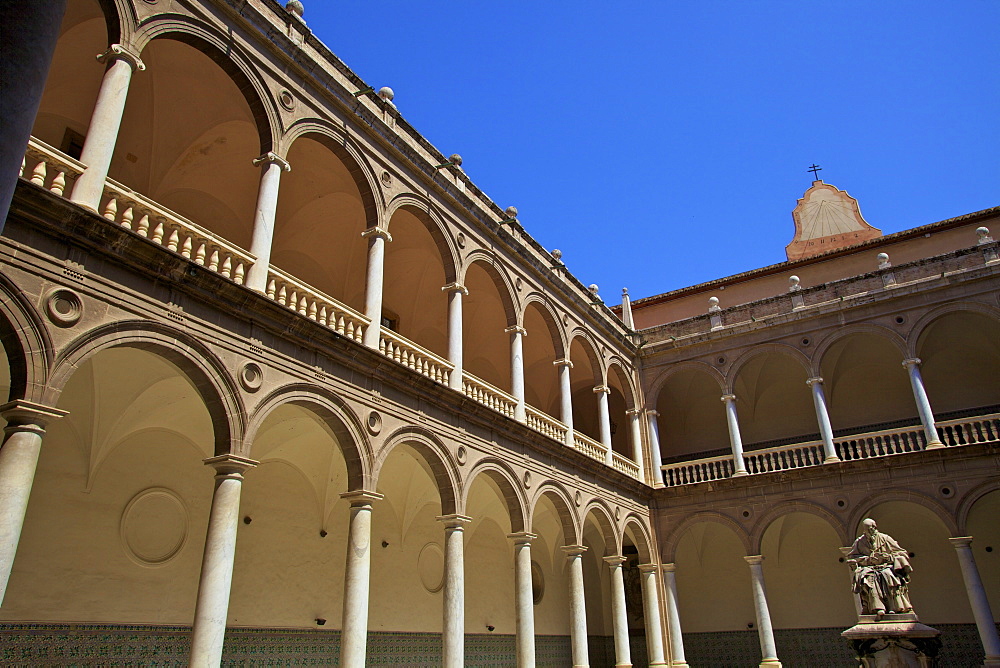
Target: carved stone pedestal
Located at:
point(894, 640)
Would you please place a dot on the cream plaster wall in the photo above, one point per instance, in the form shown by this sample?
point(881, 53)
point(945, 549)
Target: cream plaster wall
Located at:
point(713, 580)
point(985, 531)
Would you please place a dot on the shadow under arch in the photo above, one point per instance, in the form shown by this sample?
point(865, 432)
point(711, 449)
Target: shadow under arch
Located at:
point(506, 481)
point(761, 526)
point(437, 457)
point(969, 500)
point(338, 417)
point(641, 537)
point(669, 546)
point(625, 379)
point(26, 343)
point(549, 317)
point(764, 349)
point(424, 211)
point(603, 516)
point(560, 499)
point(851, 330)
point(590, 348)
point(205, 371)
point(653, 396)
point(921, 326)
point(869, 503)
point(501, 280)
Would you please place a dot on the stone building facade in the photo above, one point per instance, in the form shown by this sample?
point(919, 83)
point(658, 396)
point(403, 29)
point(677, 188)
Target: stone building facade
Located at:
point(285, 384)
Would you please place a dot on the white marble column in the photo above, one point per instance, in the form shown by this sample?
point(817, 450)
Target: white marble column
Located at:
point(651, 612)
point(106, 121)
point(453, 633)
point(619, 615)
point(524, 600)
point(656, 459)
point(923, 403)
point(735, 440)
point(455, 293)
point(566, 398)
point(765, 633)
point(823, 419)
point(377, 238)
point(604, 420)
point(26, 422)
point(977, 599)
point(263, 219)
point(357, 571)
point(517, 335)
point(673, 616)
point(577, 606)
point(635, 434)
point(209, 628)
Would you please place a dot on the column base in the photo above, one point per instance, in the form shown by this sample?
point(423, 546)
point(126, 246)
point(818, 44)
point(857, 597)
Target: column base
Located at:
point(832, 460)
point(623, 665)
point(770, 663)
point(992, 662)
point(935, 445)
point(739, 474)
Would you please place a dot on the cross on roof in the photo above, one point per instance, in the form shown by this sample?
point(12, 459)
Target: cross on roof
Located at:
point(814, 168)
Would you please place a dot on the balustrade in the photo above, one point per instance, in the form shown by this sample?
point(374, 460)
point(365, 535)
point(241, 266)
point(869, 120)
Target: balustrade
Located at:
point(625, 465)
point(481, 391)
point(546, 425)
point(414, 357)
point(46, 167)
point(315, 305)
point(588, 446)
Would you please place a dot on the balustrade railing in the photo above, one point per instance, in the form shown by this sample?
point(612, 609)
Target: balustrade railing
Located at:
point(46, 167)
point(880, 443)
point(590, 447)
point(622, 463)
point(784, 457)
point(412, 356)
point(481, 391)
point(546, 425)
point(310, 302)
point(968, 431)
point(701, 470)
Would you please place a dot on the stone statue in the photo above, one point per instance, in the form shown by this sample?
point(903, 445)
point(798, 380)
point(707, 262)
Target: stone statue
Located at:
point(881, 572)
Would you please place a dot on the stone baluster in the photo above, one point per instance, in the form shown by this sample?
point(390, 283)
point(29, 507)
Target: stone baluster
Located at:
point(455, 293)
point(981, 611)
point(517, 335)
point(524, 600)
point(912, 366)
point(656, 459)
point(651, 613)
point(768, 650)
point(26, 422)
point(377, 238)
point(263, 220)
point(673, 616)
point(619, 617)
point(577, 606)
point(354, 633)
point(453, 634)
point(566, 398)
point(105, 123)
point(604, 420)
point(209, 628)
point(735, 440)
point(823, 418)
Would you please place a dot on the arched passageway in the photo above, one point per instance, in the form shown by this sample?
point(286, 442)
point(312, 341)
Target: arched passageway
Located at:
point(960, 363)
point(692, 417)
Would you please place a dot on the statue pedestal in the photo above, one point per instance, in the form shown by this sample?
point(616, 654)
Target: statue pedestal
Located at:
point(894, 640)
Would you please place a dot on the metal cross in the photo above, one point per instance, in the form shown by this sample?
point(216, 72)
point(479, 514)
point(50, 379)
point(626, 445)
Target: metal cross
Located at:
point(815, 168)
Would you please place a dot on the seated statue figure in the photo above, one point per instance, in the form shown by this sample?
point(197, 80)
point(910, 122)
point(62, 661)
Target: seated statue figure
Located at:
point(881, 572)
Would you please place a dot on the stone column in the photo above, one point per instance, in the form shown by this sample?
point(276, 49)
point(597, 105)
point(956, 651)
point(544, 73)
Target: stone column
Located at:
point(651, 610)
point(354, 633)
point(106, 121)
point(209, 628)
point(656, 459)
point(577, 606)
point(673, 616)
point(30, 34)
point(635, 432)
point(26, 422)
point(524, 600)
point(263, 218)
point(823, 418)
point(923, 403)
point(455, 293)
point(604, 420)
point(977, 598)
point(377, 237)
point(566, 398)
point(619, 618)
point(768, 649)
point(453, 633)
point(517, 335)
point(735, 440)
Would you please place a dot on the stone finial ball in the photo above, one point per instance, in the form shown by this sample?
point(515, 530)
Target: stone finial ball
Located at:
point(624, 292)
point(983, 232)
point(511, 211)
point(793, 280)
point(713, 301)
point(883, 257)
point(593, 288)
point(295, 7)
point(386, 93)
point(455, 159)
point(556, 253)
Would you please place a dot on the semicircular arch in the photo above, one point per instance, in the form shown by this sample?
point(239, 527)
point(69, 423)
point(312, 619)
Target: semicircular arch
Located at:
point(765, 521)
point(969, 500)
point(437, 457)
point(435, 224)
point(26, 342)
point(501, 280)
point(689, 365)
point(560, 498)
point(605, 522)
point(929, 318)
point(851, 330)
point(551, 319)
point(864, 508)
point(669, 546)
point(504, 478)
point(641, 537)
point(764, 349)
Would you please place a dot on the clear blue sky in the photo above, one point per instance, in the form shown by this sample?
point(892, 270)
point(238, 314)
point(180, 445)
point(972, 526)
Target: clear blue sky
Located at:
point(662, 144)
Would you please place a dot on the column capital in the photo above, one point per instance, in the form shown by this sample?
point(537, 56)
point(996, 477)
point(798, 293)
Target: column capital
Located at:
point(377, 232)
point(648, 568)
point(271, 158)
point(668, 568)
point(961, 541)
point(453, 287)
point(754, 559)
point(728, 397)
point(633, 412)
point(563, 362)
point(815, 380)
point(230, 465)
point(911, 362)
point(615, 560)
point(522, 537)
point(22, 415)
point(574, 550)
point(362, 497)
point(652, 412)
point(602, 389)
point(119, 52)
point(454, 521)
point(516, 328)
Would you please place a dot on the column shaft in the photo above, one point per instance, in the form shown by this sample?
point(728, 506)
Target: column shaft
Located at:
point(106, 121)
point(977, 599)
point(373, 284)
point(735, 440)
point(455, 293)
point(673, 617)
point(768, 650)
point(823, 419)
point(923, 404)
point(357, 571)
point(209, 628)
point(656, 459)
point(604, 420)
point(524, 601)
point(577, 606)
point(566, 398)
point(635, 433)
point(453, 634)
point(263, 219)
point(623, 656)
point(517, 335)
point(651, 610)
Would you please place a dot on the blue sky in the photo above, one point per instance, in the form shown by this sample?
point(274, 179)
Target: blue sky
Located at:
point(662, 144)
